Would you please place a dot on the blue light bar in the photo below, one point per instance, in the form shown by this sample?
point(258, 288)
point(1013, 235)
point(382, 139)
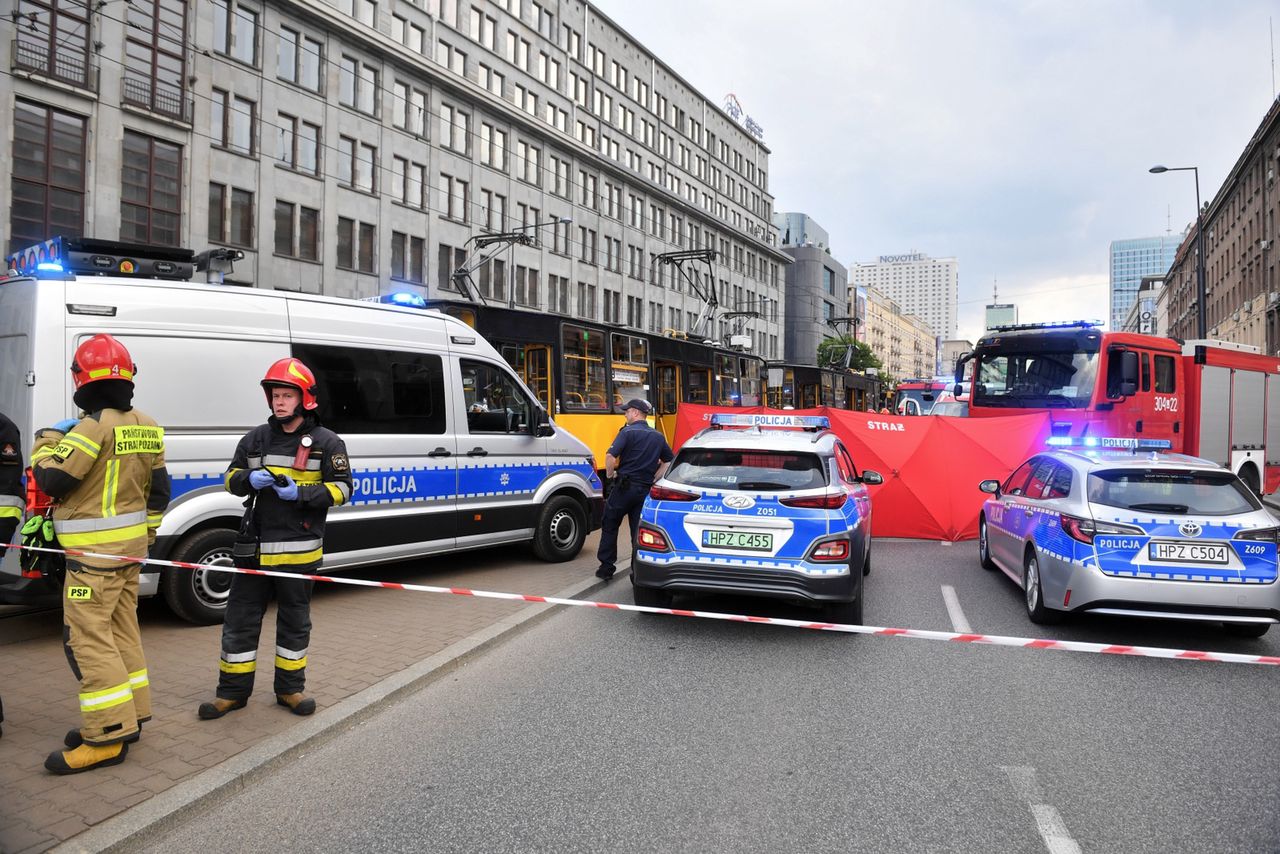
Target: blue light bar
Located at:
point(405, 298)
point(811, 422)
point(1057, 324)
point(1126, 443)
point(49, 267)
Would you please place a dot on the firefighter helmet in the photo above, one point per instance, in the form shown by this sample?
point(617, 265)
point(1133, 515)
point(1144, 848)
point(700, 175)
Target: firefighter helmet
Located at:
point(101, 358)
point(292, 373)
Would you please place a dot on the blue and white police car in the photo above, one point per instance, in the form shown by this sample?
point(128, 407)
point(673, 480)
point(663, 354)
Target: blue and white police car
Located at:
point(1100, 525)
point(776, 509)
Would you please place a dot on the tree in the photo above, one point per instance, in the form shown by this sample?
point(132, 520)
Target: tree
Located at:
point(847, 351)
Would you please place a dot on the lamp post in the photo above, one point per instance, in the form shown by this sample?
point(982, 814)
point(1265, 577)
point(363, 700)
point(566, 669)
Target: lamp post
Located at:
point(1202, 330)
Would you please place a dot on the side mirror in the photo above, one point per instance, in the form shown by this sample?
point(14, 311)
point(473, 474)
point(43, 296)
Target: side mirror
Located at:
point(990, 486)
point(542, 424)
point(1128, 373)
point(871, 478)
point(957, 389)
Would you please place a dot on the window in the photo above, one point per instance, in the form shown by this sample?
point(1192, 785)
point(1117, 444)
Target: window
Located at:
point(409, 109)
point(297, 231)
point(365, 391)
point(526, 286)
point(1166, 375)
point(491, 80)
point(297, 144)
point(587, 245)
point(154, 67)
point(558, 294)
point(299, 59)
point(1018, 480)
point(586, 300)
point(407, 257)
point(1060, 482)
point(358, 85)
point(48, 171)
point(451, 259)
point(583, 369)
point(493, 210)
point(559, 170)
point(217, 212)
point(529, 163)
point(151, 191)
point(230, 215)
point(54, 39)
point(493, 147)
point(494, 400)
point(407, 182)
point(235, 31)
point(241, 125)
point(455, 128)
point(454, 198)
point(356, 243)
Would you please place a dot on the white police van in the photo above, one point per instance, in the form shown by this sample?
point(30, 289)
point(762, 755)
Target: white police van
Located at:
point(449, 450)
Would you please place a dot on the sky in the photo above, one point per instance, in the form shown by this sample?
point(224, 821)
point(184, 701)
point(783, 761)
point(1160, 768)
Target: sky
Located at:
point(1012, 136)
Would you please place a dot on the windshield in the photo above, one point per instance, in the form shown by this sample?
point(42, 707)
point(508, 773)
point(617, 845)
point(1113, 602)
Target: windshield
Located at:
point(760, 471)
point(1035, 379)
point(924, 398)
point(1196, 493)
point(950, 407)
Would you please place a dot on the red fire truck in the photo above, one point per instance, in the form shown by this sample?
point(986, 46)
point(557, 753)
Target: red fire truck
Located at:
point(1213, 399)
point(917, 396)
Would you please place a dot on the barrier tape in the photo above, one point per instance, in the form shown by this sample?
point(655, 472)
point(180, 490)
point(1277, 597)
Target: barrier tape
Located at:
point(922, 634)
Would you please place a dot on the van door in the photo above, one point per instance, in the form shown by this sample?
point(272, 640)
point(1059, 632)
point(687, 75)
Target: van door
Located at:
point(501, 462)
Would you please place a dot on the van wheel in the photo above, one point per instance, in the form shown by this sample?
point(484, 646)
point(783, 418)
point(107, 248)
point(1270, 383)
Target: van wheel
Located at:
point(200, 596)
point(562, 528)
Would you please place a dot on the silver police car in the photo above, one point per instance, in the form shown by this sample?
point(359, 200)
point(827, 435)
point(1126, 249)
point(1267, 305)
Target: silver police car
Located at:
point(1109, 528)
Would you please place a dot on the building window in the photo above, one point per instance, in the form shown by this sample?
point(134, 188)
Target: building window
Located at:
point(299, 59)
point(358, 85)
point(48, 175)
point(151, 191)
point(230, 215)
point(526, 286)
point(154, 56)
point(235, 31)
point(356, 241)
point(53, 39)
point(410, 109)
point(297, 231)
point(407, 182)
point(529, 163)
point(493, 147)
point(297, 144)
point(407, 257)
point(455, 128)
point(357, 165)
point(454, 198)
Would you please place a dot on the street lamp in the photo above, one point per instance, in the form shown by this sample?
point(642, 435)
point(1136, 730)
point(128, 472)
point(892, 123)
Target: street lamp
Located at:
point(1201, 319)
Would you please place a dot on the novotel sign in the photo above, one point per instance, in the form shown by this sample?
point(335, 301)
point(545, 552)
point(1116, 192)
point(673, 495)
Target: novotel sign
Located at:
point(735, 111)
point(894, 259)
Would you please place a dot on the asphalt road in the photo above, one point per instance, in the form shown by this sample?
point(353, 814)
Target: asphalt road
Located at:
point(604, 730)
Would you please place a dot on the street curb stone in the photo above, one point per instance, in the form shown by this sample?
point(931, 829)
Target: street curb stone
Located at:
point(158, 814)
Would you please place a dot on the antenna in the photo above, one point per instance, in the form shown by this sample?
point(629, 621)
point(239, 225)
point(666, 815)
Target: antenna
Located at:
point(1271, 29)
point(1168, 215)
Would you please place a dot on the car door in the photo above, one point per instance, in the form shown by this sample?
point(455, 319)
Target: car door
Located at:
point(1025, 510)
point(1003, 517)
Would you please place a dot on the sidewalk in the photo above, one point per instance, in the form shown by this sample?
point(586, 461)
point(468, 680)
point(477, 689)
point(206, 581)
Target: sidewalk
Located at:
point(360, 637)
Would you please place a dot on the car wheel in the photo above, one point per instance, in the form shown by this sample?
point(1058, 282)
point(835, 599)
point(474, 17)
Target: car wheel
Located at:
point(649, 597)
point(197, 595)
point(561, 530)
point(984, 545)
point(1034, 592)
point(846, 613)
point(1247, 630)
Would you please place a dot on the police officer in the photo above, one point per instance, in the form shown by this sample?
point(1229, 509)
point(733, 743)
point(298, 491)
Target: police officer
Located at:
point(11, 495)
point(295, 470)
point(107, 474)
point(638, 456)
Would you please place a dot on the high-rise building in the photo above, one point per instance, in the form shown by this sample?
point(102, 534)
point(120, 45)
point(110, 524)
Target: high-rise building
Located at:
point(928, 288)
point(1130, 261)
point(354, 147)
point(798, 229)
point(903, 343)
point(817, 296)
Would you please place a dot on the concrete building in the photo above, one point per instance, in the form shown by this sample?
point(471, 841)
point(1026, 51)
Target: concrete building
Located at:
point(999, 314)
point(950, 351)
point(927, 287)
point(1243, 290)
point(353, 147)
point(1133, 259)
point(816, 293)
point(1142, 315)
point(903, 342)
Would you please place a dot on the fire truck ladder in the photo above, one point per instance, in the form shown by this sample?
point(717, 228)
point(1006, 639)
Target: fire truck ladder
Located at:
point(704, 325)
point(480, 255)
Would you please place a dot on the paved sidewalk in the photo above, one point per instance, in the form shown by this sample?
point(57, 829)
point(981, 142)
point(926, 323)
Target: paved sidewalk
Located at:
point(360, 637)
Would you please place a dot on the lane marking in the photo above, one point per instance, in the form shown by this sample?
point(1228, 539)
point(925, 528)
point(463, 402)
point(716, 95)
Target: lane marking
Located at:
point(1053, 830)
point(958, 621)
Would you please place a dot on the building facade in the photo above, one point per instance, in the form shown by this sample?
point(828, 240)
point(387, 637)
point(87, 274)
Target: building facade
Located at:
point(354, 147)
point(949, 353)
point(928, 288)
point(904, 343)
point(1142, 315)
point(798, 229)
point(817, 304)
point(1242, 289)
point(1133, 259)
point(999, 314)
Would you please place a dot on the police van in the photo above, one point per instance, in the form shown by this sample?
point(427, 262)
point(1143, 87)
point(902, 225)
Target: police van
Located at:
point(449, 450)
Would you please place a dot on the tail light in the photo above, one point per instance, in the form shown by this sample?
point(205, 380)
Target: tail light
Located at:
point(1084, 530)
point(830, 551)
point(1266, 535)
point(826, 501)
point(652, 540)
point(666, 493)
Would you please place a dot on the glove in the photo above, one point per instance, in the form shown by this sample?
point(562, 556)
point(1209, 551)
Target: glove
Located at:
point(261, 478)
point(65, 425)
point(289, 491)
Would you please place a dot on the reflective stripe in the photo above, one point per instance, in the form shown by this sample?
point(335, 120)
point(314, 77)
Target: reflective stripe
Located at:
point(226, 480)
point(122, 373)
point(43, 453)
point(237, 657)
point(297, 475)
point(94, 701)
point(89, 446)
point(287, 462)
point(241, 667)
point(138, 678)
point(102, 538)
point(295, 654)
point(291, 559)
point(292, 546)
point(154, 520)
point(10, 512)
point(254, 463)
point(110, 488)
point(337, 491)
point(291, 664)
point(79, 526)
point(11, 501)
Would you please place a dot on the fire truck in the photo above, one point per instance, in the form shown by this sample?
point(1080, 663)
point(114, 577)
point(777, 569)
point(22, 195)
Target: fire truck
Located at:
point(1212, 399)
point(917, 396)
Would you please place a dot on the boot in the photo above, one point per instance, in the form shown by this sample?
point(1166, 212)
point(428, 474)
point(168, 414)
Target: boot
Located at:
point(296, 703)
point(219, 707)
point(74, 739)
point(86, 757)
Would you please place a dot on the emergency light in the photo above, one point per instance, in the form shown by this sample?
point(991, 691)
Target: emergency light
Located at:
point(1127, 443)
point(808, 422)
point(1057, 324)
point(59, 257)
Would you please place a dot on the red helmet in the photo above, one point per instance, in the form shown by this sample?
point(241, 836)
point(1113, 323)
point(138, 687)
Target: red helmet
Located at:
point(101, 358)
point(292, 373)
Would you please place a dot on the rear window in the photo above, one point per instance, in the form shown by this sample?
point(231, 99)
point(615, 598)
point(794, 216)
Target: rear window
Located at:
point(1207, 493)
point(760, 471)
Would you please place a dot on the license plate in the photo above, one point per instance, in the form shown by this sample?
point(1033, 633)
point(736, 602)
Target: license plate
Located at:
point(1189, 552)
point(738, 540)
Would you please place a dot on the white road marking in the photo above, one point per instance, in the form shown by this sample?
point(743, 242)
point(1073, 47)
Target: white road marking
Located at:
point(1053, 830)
point(958, 621)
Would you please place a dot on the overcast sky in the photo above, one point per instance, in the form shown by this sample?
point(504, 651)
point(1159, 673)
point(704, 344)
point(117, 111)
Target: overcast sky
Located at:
point(1014, 136)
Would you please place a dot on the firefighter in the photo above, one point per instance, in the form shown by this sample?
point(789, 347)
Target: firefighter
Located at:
point(107, 475)
point(11, 495)
point(294, 470)
point(638, 456)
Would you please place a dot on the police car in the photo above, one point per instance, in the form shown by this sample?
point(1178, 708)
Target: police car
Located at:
point(1103, 526)
point(777, 509)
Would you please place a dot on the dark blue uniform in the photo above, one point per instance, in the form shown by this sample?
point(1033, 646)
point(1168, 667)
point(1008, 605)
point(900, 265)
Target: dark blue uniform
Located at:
point(639, 449)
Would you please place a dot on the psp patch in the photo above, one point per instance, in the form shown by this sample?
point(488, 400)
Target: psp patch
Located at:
point(80, 594)
point(339, 463)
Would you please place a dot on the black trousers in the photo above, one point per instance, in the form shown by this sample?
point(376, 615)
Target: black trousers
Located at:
point(625, 502)
point(246, 604)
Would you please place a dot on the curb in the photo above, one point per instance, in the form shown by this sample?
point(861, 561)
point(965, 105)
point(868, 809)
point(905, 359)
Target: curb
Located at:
point(129, 829)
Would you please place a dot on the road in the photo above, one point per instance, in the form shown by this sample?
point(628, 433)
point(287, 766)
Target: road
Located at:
point(605, 730)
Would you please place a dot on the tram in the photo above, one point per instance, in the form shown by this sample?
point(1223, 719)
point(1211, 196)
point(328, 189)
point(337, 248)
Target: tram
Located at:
point(807, 386)
point(583, 372)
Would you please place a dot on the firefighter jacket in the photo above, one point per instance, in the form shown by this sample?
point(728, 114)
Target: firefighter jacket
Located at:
point(12, 498)
point(108, 479)
point(291, 533)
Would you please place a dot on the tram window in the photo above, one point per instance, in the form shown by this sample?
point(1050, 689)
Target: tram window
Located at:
point(699, 388)
point(630, 368)
point(583, 366)
point(726, 391)
point(749, 370)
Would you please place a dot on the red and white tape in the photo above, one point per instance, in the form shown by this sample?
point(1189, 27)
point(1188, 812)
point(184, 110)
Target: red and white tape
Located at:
point(922, 634)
